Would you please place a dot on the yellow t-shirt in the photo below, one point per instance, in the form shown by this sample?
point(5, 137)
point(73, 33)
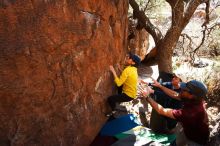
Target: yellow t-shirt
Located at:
point(129, 79)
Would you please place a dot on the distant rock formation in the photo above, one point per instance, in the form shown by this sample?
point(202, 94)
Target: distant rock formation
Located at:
point(54, 68)
point(138, 40)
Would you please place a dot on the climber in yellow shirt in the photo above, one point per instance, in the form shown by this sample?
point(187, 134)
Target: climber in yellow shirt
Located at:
point(129, 80)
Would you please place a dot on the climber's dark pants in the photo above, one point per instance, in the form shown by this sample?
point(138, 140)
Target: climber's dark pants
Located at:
point(120, 89)
point(112, 100)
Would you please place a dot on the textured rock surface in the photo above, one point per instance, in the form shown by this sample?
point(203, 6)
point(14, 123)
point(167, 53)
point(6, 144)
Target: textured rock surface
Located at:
point(138, 40)
point(54, 68)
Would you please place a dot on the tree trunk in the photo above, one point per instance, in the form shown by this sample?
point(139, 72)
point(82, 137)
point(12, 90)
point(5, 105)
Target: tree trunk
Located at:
point(165, 45)
point(165, 49)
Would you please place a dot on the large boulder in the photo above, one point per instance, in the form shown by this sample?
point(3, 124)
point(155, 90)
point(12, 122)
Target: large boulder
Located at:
point(54, 68)
point(138, 40)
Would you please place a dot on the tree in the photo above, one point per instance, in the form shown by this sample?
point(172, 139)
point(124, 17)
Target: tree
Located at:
point(182, 11)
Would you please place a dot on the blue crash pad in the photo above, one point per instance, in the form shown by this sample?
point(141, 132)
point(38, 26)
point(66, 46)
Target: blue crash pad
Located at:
point(119, 125)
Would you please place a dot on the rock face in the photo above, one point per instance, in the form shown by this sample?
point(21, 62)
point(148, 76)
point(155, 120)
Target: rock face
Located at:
point(139, 44)
point(54, 68)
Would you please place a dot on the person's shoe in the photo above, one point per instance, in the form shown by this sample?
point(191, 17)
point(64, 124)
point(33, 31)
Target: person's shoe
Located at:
point(110, 114)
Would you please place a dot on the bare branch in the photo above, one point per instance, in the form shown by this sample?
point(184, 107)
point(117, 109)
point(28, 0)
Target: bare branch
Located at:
point(144, 20)
point(210, 29)
point(203, 39)
point(217, 6)
point(177, 11)
point(182, 44)
point(184, 35)
point(146, 5)
point(216, 24)
point(207, 13)
point(189, 46)
point(191, 6)
point(150, 7)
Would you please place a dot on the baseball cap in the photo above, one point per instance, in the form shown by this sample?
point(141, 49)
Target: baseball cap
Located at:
point(195, 87)
point(135, 58)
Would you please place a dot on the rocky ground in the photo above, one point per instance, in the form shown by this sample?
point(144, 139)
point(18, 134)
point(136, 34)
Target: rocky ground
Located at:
point(209, 74)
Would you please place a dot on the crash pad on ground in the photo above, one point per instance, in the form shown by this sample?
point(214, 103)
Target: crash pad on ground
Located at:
point(119, 125)
point(133, 140)
point(145, 135)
